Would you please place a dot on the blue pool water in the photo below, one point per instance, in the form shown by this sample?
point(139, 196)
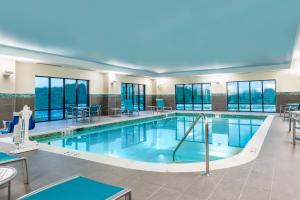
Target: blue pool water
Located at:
point(155, 140)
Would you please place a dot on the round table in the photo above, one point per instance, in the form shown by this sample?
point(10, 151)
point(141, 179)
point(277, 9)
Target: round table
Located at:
point(7, 174)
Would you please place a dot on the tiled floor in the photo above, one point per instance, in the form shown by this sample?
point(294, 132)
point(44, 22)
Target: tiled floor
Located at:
point(275, 174)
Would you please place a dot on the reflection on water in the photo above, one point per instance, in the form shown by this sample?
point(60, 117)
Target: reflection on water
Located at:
point(155, 141)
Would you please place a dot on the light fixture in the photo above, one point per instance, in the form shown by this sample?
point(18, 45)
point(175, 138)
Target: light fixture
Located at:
point(160, 82)
point(112, 78)
point(7, 73)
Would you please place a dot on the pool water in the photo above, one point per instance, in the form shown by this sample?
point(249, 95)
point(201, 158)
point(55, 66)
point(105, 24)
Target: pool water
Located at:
point(155, 140)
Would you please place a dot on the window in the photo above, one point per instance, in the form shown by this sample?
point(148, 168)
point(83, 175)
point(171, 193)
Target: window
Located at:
point(254, 96)
point(134, 92)
point(232, 96)
point(56, 98)
point(41, 98)
point(70, 92)
point(244, 96)
point(82, 90)
point(179, 97)
point(193, 96)
point(53, 95)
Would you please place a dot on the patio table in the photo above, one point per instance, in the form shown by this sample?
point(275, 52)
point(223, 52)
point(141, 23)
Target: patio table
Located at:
point(7, 174)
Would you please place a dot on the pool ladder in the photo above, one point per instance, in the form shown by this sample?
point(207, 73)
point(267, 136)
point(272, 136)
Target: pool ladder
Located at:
point(200, 116)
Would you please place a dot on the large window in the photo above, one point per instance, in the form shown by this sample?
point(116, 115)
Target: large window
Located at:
point(134, 92)
point(254, 96)
point(53, 95)
point(193, 96)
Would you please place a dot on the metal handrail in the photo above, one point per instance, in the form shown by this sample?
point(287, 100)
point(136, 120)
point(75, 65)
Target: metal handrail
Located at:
point(201, 115)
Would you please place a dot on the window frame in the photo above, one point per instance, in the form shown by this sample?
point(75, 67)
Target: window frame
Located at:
point(64, 96)
point(193, 96)
point(133, 94)
point(250, 96)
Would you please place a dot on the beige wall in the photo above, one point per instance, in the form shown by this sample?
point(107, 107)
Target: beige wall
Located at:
point(26, 72)
point(7, 82)
point(22, 81)
point(286, 80)
point(115, 88)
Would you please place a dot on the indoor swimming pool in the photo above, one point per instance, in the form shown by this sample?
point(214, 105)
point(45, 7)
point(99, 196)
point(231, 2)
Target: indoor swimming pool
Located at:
point(154, 139)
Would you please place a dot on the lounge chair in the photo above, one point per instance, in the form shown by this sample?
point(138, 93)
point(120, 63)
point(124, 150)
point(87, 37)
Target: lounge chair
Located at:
point(71, 112)
point(285, 109)
point(94, 110)
point(6, 159)
point(294, 124)
point(129, 109)
point(160, 105)
point(78, 188)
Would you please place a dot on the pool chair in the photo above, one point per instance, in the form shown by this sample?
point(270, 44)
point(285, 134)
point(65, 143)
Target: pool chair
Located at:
point(71, 112)
point(285, 109)
point(129, 109)
point(294, 125)
point(160, 105)
point(94, 111)
point(78, 188)
point(6, 159)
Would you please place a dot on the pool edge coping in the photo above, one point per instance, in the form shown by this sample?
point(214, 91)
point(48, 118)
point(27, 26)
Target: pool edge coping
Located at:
point(248, 154)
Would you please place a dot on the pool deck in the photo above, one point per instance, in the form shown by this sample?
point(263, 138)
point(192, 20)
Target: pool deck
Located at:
point(274, 174)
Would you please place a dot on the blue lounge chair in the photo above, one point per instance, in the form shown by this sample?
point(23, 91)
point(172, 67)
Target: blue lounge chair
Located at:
point(160, 105)
point(286, 109)
point(71, 112)
point(94, 110)
point(6, 159)
point(78, 188)
point(129, 109)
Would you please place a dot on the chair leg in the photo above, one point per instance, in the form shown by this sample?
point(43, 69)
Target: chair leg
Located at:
point(128, 196)
point(9, 190)
point(25, 171)
point(290, 125)
point(294, 132)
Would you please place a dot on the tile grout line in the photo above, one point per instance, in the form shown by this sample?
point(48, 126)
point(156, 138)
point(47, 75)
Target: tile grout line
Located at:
point(155, 192)
point(215, 188)
point(186, 188)
point(271, 188)
point(246, 181)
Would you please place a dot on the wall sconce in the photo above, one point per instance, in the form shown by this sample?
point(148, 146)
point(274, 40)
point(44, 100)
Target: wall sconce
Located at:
point(7, 73)
point(217, 79)
point(160, 82)
point(112, 78)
